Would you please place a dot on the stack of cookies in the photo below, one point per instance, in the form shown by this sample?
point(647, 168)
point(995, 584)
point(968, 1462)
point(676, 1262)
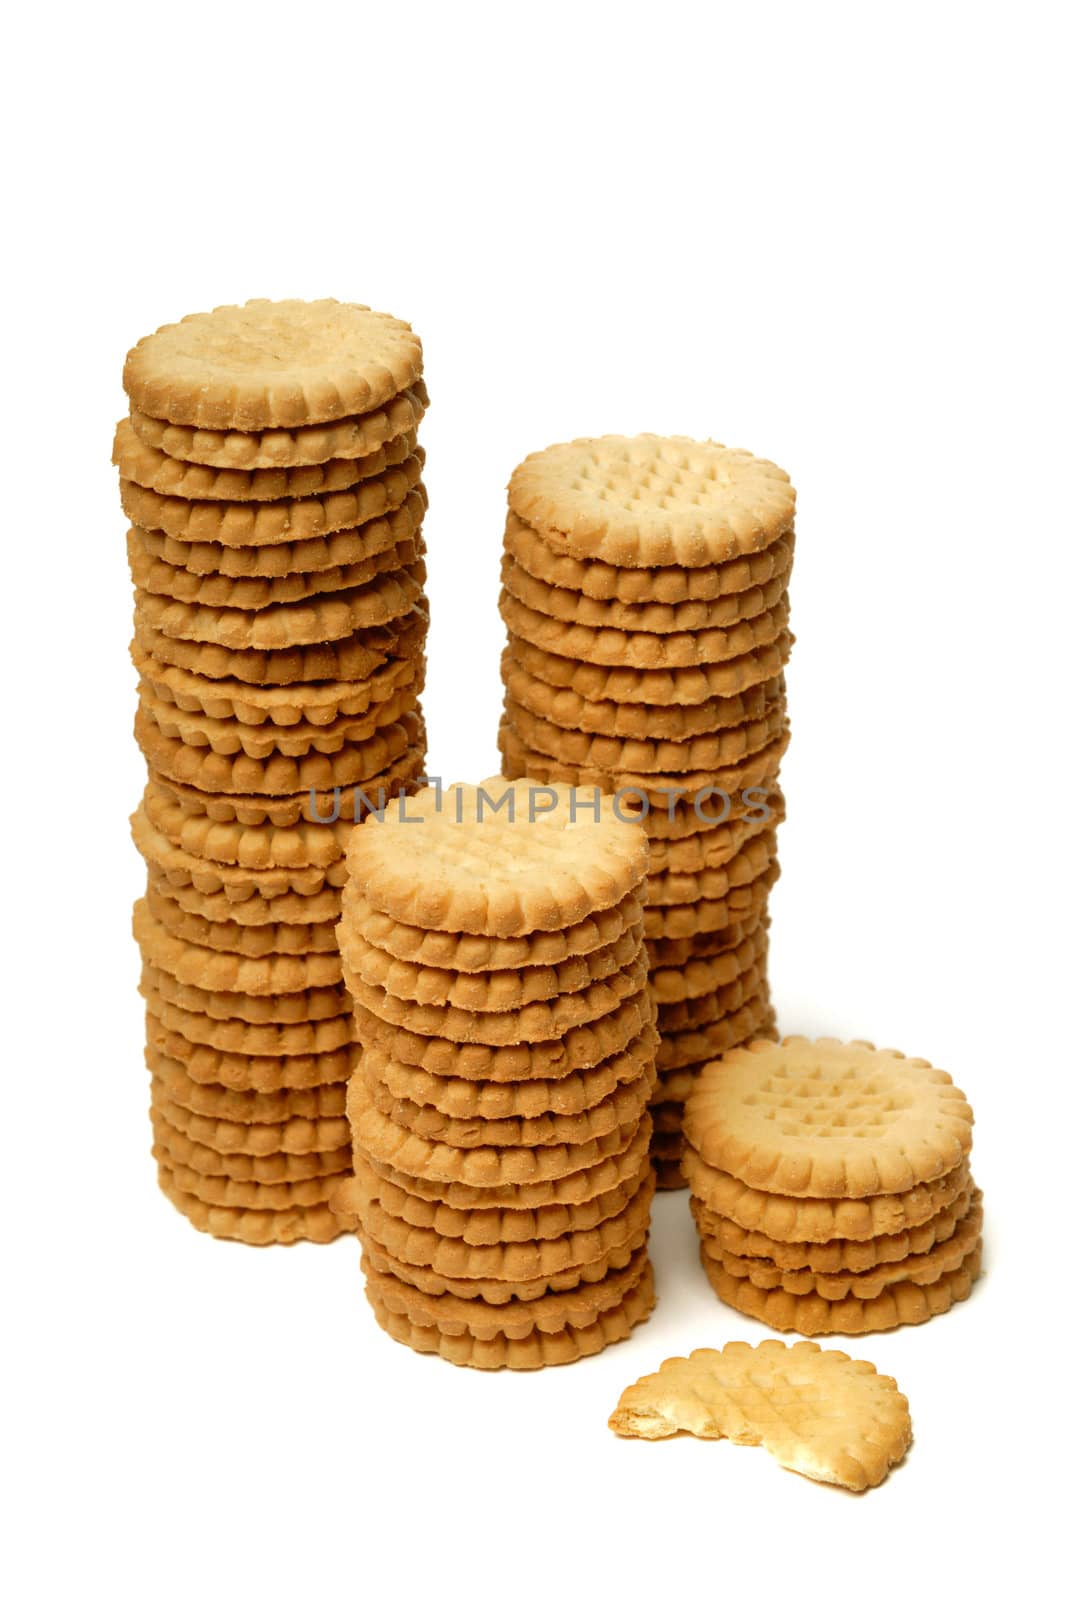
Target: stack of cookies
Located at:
point(831, 1186)
point(645, 594)
point(270, 472)
point(502, 1184)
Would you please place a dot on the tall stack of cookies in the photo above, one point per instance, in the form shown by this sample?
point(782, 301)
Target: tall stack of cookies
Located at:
point(502, 1185)
point(645, 595)
point(831, 1185)
point(270, 472)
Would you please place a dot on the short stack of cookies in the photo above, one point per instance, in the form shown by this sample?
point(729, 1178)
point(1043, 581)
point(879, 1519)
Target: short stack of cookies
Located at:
point(271, 476)
point(831, 1186)
point(645, 595)
point(502, 1184)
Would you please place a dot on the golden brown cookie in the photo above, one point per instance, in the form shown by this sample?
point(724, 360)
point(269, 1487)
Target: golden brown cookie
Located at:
point(215, 971)
point(817, 1412)
point(272, 364)
point(574, 1051)
point(531, 1024)
point(550, 560)
point(278, 1168)
point(902, 1303)
point(527, 1354)
point(835, 1255)
point(651, 652)
point(653, 501)
point(566, 605)
point(237, 523)
point(316, 1223)
point(151, 468)
point(478, 953)
point(794, 1219)
point(287, 447)
point(469, 868)
point(660, 686)
point(827, 1119)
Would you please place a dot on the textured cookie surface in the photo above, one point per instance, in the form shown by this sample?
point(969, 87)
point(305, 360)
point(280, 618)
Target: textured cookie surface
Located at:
point(498, 858)
point(824, 1118)
point(272, 364)
point(817, 1412)
point(653, 501)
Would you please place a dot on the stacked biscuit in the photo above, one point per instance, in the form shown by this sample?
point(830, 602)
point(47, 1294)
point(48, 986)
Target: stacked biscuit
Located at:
point(831, 1186)
point(271, 475)
point(502, 1184)
point(645, 596)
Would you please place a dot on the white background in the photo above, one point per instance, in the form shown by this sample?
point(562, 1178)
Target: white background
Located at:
point(830, 234)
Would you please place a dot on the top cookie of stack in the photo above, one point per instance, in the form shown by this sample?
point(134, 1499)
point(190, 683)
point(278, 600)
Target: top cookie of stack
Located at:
point(645, 596)
point(271, 476)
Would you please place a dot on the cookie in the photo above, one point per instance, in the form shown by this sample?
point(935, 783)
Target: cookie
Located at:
point(603, 1174)
point(901, 1304)
point(255, 911)
point(713, 1039)
point(659, 686)
point(566, 605)
point(481, 1166)
point(231, 738)
point(151, 468)
point(255, 847)
point(151, 572)
point(671, 986)
point(289, 560)
point(922, 1268)
point(272, 364)
point(274, 938)
point(663, 953)
point(652, 652)
point(262, 1074)
point(315, 1223)
point(468, 868)
point(576, 1050)
point(690, 1016)
point(179, 866)
point(319, 620)
point(756, 856)
point(653, 501)
point(246, 1195)
point(278, 706)
point(479, 954)
point(510, 989)
point(261, 976)
point(277, 1168)
point(463, 1098)
point(535, 1350)
point(550, 560)
point(530, 1024)
point(349, 660)
point(236, 523)
point(739, 904)
point(689, 792)
point(817, 1412)
point(355, 763)
point(312, 1038)
point(229, 1105)
point(224, 1005)
point(488, 1226)
point(706, 753)
point(524, 1262)
point(826, 1119)
point(550, 1313)
point(296, 1136)
point(622, 1106)
point(835, 1255)
point(611, 719)
point(287, 447)
point(792, 1219)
